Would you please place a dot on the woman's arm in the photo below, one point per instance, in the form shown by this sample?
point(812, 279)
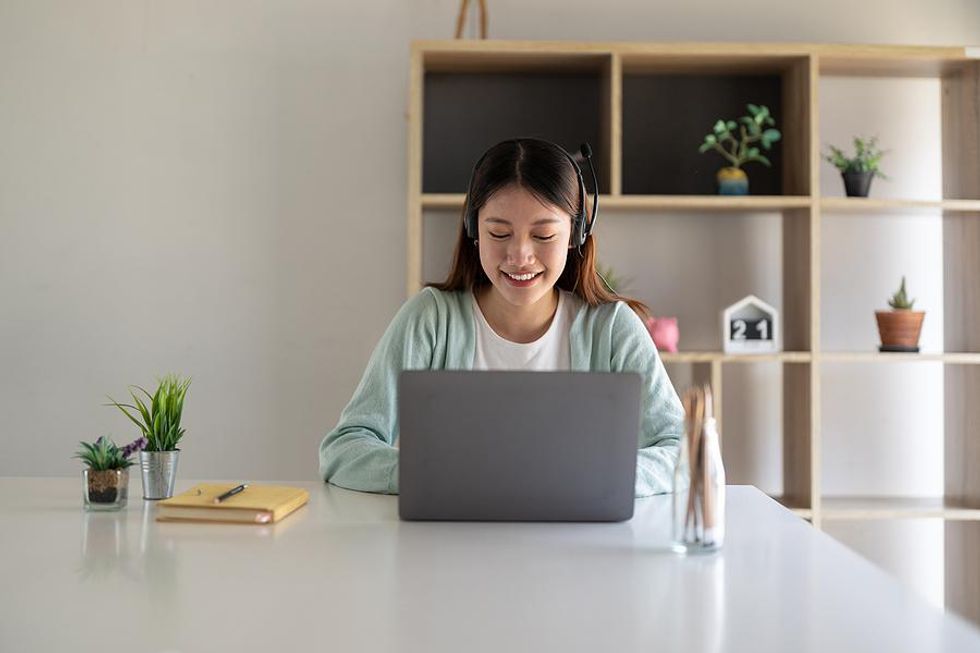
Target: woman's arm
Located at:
point(662, 419)
point(359, 452)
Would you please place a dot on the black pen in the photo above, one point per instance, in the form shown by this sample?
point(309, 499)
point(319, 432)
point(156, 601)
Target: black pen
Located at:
point(230, 493)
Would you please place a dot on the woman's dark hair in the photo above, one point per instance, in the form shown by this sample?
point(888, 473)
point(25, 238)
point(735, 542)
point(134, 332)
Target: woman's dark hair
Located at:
point(543, 170)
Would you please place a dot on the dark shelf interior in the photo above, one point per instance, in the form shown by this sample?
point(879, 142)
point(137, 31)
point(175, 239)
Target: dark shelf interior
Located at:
point(466, 113)
point(665, 119)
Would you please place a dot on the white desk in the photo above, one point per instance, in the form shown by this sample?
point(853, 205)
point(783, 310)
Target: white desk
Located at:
point(344, 575)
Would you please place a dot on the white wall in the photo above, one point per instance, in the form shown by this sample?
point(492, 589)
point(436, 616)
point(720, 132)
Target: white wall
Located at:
point(218, 189)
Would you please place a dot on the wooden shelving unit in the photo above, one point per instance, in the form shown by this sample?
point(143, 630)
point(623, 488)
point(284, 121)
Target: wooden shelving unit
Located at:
point(568, 92)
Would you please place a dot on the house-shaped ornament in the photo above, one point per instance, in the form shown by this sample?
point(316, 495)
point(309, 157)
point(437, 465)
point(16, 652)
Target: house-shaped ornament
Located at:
point(750, 326)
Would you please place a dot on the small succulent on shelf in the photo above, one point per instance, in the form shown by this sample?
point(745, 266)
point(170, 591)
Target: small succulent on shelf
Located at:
point(159, 419)
point(900, 327)
point(104, 454)
point(859, 170)
point(751, 130)
point(867, 157)
point(757, 127)
point(900, 300)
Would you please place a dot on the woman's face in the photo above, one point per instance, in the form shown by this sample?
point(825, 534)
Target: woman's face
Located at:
point(523, 244)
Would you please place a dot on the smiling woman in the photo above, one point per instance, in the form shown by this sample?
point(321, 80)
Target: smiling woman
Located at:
point(522, 293)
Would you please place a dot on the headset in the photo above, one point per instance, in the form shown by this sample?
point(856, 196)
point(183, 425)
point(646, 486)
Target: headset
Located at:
point(581, 229)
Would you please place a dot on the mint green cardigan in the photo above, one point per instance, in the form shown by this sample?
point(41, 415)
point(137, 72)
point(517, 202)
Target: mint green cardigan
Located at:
point(435, 330)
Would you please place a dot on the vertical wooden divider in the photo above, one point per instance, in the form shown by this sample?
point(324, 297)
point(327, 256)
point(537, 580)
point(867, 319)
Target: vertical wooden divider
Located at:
point(961, 319)
point(612, 123)
point(414, 115)
point(801, 300)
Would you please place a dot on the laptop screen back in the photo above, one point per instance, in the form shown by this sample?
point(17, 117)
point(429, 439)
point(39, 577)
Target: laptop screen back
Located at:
point(517, 446)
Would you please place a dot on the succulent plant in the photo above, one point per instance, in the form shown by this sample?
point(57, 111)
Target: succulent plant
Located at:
point(751, 130)
point(900, 300)
point(867, 157)
point(104, 454)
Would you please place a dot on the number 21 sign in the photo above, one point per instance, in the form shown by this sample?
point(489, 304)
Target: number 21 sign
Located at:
point(750, 326)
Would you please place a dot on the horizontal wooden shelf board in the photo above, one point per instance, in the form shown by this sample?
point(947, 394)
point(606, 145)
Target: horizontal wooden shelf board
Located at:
point(743, 203)
point(719, 203)
point(445, 200)
point(704, 202)
point(516, 62)
point(712, 356)
point(841, 508)
point(834, 59)
point(874, 205)
point(900, 357)
point(827, 50)
point(710, 64)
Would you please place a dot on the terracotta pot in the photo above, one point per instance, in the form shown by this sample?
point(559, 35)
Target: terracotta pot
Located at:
point(900, 328)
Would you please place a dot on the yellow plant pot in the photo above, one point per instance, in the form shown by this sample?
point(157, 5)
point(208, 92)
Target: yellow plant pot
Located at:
point(732, 181)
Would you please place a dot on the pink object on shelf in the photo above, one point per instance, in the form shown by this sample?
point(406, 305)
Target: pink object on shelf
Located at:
point(664, 332)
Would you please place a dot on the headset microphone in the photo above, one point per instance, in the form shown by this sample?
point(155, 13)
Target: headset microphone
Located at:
point(587, 229)
point(586, 150)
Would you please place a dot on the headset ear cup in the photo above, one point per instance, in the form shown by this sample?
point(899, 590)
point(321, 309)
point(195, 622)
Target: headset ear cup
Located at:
point(580, 232)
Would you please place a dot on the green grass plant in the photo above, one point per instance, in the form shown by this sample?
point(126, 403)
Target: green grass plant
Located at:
point(158, 415)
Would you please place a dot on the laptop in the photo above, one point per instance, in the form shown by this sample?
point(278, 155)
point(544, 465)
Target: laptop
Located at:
point(517, 446)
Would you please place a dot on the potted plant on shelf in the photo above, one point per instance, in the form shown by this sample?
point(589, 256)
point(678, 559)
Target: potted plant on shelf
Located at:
point(859, 170)
point(159, 422)
point(900, 327)
point(106, 475)
point(732, 180)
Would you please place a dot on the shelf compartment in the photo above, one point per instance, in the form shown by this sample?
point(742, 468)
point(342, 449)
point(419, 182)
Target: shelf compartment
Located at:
point(961, 132)
point(660, 144)
point(854, 508)
point(471, 101)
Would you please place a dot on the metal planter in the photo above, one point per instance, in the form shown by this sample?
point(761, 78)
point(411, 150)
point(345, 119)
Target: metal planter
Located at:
point(159, 471)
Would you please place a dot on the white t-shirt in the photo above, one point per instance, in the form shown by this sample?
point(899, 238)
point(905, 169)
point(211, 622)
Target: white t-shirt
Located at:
point(552, 351)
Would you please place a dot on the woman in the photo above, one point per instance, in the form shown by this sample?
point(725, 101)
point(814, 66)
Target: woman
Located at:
point(523, 293)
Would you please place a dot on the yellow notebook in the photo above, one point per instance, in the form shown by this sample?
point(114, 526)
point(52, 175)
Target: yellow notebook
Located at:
point(256, 504)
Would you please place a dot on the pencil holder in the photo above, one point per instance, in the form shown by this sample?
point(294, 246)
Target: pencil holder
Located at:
point(699, 481)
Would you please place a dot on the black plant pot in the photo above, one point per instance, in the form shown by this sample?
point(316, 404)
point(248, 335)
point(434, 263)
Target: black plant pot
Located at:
point(857, 184)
